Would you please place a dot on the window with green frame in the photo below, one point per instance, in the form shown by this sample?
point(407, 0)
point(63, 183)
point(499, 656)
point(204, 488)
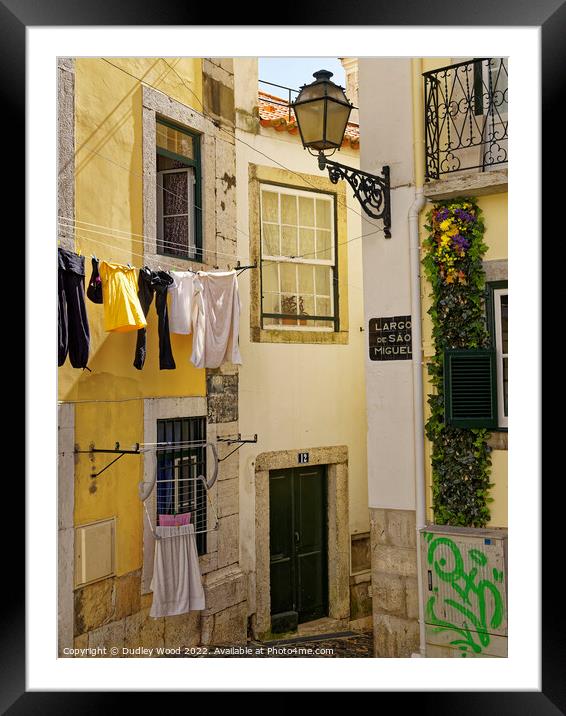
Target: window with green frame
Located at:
point(497, 306)
point(179, 194)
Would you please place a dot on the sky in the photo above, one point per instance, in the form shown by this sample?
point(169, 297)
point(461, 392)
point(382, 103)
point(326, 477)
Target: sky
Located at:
point(296, 71)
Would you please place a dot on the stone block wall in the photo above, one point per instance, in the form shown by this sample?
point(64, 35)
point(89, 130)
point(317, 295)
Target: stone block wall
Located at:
point(394, 582)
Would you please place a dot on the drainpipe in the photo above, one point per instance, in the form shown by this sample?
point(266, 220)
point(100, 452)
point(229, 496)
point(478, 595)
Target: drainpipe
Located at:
point(418, 413)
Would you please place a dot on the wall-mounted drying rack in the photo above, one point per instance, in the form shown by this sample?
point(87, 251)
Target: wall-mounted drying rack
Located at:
point(231, 441)
point(182, 497)
point(240, 269)
point(117, 449)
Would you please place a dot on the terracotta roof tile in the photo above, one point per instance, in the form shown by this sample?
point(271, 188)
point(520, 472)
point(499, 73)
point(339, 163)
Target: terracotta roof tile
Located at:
point(274, 112)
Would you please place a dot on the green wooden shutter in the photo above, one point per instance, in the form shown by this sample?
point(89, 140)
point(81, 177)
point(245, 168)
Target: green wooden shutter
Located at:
point(470, 388)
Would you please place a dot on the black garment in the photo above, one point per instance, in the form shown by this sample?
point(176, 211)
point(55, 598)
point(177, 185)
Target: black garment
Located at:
point(150, 282)
point(94, 289)
point(74, 333)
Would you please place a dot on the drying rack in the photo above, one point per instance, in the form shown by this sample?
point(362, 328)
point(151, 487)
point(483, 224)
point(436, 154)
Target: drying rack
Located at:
point(181, 496)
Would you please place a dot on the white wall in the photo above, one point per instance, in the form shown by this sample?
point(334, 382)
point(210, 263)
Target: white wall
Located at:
point(386, 134)
point(296, 396)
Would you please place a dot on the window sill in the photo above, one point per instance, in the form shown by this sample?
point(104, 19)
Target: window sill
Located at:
point(275, 335)
point(498, 439)
point(459, 184)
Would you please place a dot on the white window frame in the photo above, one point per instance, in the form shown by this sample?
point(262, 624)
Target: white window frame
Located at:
point(190, 213)
point(279, 259)
point(497, 294)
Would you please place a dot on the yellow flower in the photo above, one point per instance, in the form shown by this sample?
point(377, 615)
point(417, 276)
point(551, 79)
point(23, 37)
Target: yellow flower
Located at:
point(444, 225)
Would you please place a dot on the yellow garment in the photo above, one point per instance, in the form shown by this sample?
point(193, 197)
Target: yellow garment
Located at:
point(122, 308)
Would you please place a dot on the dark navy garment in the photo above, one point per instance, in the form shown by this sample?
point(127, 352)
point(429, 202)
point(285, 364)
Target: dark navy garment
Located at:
point(74, 333)
point(94, 289)
point(150, 283)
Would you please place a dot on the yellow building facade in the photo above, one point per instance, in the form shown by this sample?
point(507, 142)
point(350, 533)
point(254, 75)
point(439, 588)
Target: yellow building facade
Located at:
point(110, 111)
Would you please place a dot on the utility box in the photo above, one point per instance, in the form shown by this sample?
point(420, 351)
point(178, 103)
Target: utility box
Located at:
point(94, 551)
point(464, 591)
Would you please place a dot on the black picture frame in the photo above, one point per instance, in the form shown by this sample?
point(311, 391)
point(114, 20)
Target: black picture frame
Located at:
point(550, 16)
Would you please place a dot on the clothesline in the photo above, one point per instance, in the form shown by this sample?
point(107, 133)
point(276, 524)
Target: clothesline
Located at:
point(165, 261)
point(75, 225)
point(238, 139)
point(169, 262)
point(144, 176)
point(233, 135)
point(203, 303)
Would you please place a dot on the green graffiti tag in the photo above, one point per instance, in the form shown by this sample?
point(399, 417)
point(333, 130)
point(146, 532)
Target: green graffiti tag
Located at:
point(478, 600)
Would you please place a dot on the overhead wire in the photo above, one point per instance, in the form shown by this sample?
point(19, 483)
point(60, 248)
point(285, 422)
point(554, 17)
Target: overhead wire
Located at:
point(171, 261)
point(72, 223)
point(239, 139)
point(218, 125)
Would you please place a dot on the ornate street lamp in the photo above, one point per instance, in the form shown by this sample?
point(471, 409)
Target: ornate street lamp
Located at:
point(322, 111)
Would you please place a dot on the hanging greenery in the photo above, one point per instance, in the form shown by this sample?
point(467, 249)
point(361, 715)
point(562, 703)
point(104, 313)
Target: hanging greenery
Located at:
point(461, 461)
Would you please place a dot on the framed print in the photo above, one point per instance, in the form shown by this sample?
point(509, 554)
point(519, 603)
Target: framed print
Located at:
point(249, 461)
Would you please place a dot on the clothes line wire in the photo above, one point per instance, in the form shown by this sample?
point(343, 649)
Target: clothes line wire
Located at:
point(254, 148)
point(150, 238)
point(238, 139)
point(175, 266)
point(143, 176)
point(74, 224)
point(70, 225)
point(168, 262)
point(343, 202)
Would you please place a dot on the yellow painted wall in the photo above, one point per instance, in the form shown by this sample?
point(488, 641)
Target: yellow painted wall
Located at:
point(494, 208)
point(108, 193)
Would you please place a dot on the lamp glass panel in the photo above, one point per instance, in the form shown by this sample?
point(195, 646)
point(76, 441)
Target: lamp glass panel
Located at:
point(310, 117)
point(336, 121)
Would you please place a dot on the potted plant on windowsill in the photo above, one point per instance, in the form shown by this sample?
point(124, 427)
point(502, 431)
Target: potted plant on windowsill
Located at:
point(302, 312)
point(289, 306)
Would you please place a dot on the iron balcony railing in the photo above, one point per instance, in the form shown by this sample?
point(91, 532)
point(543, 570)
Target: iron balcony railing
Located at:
point(290, 92)
point(465, 116)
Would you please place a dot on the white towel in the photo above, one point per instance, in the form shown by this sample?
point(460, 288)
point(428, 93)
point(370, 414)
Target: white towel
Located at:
point(176, 582)
point(216, 319)
point(181, 307)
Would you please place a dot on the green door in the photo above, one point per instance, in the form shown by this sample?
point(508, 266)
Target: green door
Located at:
point(298, 528)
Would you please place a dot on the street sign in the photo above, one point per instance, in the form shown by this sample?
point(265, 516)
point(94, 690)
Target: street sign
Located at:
point(390, 338)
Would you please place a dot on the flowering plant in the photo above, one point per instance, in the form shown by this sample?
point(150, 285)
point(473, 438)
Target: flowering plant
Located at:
point(452, 227)
point(460, 457)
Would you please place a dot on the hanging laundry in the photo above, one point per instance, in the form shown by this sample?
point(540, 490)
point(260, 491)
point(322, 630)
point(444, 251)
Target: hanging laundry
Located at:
point(174, 520)
point(216, 319)
point(176, 582)
point(150, 283)
point(122, 309)
point(74, 332)
point(94, 289)
point(181, 295)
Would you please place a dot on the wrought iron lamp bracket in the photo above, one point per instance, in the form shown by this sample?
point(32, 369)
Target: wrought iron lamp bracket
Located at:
point(372, 191)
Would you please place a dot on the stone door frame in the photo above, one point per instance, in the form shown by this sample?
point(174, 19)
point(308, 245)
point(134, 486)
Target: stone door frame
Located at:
point(336, 461)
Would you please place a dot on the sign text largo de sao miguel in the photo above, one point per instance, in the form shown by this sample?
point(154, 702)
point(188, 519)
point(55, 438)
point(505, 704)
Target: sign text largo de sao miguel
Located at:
point(390, 338)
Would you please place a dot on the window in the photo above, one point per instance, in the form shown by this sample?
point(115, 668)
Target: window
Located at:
point(179, 487)
point(179, 214)
point(497, 306)
point(298, 266)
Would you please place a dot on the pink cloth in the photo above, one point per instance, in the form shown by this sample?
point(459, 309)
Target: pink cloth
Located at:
point(174, 520)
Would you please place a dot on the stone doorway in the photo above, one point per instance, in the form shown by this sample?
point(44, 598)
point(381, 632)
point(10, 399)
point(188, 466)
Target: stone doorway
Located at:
point(338, 540)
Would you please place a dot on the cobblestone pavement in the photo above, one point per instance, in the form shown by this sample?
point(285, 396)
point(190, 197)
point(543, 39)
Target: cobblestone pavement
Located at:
point(350, 645)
